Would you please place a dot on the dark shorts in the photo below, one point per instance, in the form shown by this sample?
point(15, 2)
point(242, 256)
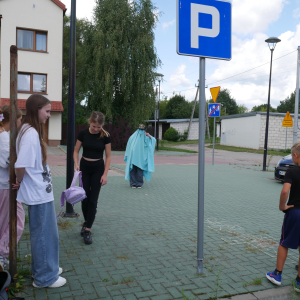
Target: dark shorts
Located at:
point(290, 233)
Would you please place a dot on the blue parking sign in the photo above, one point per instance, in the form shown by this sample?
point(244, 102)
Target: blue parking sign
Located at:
point(204, 28)
point(214, 110)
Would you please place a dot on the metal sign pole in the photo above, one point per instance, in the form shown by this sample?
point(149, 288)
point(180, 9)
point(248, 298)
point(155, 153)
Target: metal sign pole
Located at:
point(201, 163)
point(285, 137)
point(71, 107)
point(155, 124)
point(296, 99)
point(213, 158)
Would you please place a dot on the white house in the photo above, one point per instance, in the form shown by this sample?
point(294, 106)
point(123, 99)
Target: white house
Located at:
point(248, 130)
point(36, 28)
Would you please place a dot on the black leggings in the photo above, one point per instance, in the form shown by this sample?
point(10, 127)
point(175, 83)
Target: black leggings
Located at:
point(92, 172)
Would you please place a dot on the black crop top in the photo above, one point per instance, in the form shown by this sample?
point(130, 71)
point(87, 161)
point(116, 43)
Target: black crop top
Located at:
point(93, 147)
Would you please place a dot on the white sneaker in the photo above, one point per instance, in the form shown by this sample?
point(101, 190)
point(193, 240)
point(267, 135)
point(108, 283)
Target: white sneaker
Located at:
point(60, 270)
point(58, 283)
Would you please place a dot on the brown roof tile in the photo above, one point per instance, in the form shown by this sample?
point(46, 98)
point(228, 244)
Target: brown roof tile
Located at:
point(55, 105)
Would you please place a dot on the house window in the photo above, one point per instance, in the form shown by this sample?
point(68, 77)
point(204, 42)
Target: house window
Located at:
point(32, 83)
point(32, 40)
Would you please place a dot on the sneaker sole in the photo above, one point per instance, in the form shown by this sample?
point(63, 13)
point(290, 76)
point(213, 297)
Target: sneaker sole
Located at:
point(54, 285)
point(296, 290)
point(273, 280)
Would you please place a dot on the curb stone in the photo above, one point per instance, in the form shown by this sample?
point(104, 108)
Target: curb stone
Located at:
point(283, 293)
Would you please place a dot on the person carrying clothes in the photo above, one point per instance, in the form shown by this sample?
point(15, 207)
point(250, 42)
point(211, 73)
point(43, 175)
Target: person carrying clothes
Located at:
point(4, 186)
point(290, 234)
point(94, 141)
point(36, 192)
point(139, 157)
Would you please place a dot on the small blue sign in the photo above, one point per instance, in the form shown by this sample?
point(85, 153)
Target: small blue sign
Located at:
point(214, 110)
point(204, 28)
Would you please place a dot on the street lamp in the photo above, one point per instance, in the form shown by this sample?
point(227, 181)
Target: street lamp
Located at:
point(160, 76)
point(272, 41)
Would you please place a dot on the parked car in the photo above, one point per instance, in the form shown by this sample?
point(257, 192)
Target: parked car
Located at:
point(285, 163)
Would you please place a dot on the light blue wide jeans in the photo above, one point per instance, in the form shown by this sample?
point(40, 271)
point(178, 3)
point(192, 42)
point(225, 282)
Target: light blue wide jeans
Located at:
point(44, 241)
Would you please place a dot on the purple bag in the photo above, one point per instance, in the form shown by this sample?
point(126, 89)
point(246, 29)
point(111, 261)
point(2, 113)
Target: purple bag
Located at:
point(73, 194)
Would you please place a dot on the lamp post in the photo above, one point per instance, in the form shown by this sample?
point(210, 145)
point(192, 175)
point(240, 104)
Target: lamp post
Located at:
point(71, 107)
point(272, 41)
point(160, 76)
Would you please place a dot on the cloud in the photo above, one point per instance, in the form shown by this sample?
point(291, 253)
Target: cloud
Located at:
point(251, 88)
point(178, 79)
point(296, 13)
point(167, 24)
point(250, 16)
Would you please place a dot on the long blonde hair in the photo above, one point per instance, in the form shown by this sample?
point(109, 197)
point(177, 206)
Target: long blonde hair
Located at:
point(33, 104)
point(99, 118)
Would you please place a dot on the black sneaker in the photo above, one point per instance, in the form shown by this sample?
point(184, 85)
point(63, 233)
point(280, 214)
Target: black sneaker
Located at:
point(87, 237)
point(83, 228)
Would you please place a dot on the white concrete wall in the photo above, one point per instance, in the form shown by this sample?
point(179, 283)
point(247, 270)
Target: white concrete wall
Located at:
point(241, 132)
point(46, 16)
point(276, 133)
point(42, 15)
point(55, 126)
point(182, 126)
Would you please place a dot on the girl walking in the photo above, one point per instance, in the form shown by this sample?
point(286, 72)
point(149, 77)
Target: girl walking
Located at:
point(94, 141)
point(4, 187)
point(35, 191)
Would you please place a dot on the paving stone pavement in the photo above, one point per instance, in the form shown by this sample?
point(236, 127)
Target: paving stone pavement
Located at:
point(145, 240)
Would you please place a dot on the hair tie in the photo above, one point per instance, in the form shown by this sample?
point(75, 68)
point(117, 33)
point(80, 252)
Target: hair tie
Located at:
point(1, 117)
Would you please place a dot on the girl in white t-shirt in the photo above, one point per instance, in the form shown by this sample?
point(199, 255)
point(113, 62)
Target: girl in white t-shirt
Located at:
point(36, 192)
point(4, 187)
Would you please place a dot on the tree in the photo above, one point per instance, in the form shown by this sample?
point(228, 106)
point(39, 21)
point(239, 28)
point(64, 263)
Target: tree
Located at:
point(81, 113)
point(178, 108)
point(263, 108)
point(228, 102)
point(120, 59)
point(162, 107)
point(288, 104)
point(242, 109)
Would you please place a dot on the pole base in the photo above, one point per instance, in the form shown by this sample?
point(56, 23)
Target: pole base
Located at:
point(200, 267)
point(70, 215)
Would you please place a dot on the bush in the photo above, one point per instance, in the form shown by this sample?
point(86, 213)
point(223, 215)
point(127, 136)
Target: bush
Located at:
point(172, 134)
point(183, 136)
point(120, 133)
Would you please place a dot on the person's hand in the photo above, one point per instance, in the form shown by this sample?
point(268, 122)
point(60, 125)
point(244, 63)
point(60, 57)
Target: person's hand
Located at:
point(148, 135)
point(103, 180)
point(285, 207)
point(16, 186)
point(77, 168)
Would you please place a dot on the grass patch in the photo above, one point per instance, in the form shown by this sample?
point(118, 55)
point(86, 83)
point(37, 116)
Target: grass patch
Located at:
point(188, 142)
point(249, 150)
point(256, 281)
point(105, 279)
point(251, 249)
point(164, 148)
point(124, 257)
point(127, 280)
point(64, 224)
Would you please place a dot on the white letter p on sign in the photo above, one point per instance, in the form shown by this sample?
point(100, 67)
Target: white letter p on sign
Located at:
point(197, 31)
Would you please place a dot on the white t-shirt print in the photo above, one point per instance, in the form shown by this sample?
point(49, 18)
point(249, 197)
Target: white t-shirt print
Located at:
point(36, 186)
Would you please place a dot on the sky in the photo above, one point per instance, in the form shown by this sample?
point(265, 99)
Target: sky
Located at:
point(253, 21)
